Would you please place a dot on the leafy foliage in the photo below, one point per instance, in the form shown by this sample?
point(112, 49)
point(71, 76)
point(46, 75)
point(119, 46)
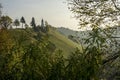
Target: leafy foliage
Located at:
point(30, 60)
point(100, 16)
point(16, 23)
point(5, 21)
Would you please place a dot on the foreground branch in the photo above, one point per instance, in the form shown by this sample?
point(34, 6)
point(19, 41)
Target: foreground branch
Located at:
point(111, 57)
point(115, 5)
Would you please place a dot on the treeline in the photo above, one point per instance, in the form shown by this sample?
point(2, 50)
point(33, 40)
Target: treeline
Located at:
point(7, 23)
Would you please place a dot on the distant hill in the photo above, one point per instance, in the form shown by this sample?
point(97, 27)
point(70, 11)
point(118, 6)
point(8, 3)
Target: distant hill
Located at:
point(67, 32)
point(80, 36)
point(76, 36)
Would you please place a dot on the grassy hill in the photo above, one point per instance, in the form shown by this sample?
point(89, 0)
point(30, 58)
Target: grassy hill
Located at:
point(62, 42)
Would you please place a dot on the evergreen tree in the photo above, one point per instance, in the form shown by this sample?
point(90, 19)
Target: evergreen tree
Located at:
point(42, 26)
point(42, 23)
point(16, 23)
point(33, 24)
point(22, 20)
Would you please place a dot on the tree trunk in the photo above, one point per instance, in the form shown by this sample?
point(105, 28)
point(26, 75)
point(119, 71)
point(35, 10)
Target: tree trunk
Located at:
point(22, 25)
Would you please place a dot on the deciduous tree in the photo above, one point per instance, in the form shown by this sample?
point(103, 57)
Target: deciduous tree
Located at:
point(16, 23)
point(99, 16)
point(5, 21)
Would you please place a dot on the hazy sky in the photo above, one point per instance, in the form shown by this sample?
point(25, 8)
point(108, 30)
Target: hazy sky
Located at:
point(54, 11)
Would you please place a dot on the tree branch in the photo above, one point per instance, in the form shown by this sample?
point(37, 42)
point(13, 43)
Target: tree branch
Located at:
point(111, 57)
point(115, 5)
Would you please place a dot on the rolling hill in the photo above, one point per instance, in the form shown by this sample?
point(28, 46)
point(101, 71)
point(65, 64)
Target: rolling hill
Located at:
point(60, 41)
point(67, 32)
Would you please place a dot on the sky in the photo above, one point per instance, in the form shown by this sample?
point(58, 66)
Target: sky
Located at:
point(55, 12)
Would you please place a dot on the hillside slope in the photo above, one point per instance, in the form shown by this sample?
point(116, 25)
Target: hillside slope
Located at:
point(67, 32)
point(62, 42)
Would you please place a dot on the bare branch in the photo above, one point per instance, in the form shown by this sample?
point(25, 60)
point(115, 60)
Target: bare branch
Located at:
point(112, 57)
point(115, 5)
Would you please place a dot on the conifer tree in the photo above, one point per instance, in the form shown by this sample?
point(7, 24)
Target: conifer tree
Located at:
point(33, 24)
point(42, 26)
point(22, 20)
point(42, 23)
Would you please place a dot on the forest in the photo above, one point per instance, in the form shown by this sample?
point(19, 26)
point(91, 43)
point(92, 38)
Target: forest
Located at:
point(39, 52)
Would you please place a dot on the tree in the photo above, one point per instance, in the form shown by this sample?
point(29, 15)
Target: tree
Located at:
point(42, 26)
point(16, 23)
point(33, 24)
point(92, 13)
point(26, 25)
point(5, 21)
point(99, 16)
point(42, 23)
point(6, 45)
point(22, 20)
point(47, 26)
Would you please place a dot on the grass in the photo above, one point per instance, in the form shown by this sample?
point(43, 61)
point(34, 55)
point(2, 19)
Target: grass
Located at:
point(62, 42)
